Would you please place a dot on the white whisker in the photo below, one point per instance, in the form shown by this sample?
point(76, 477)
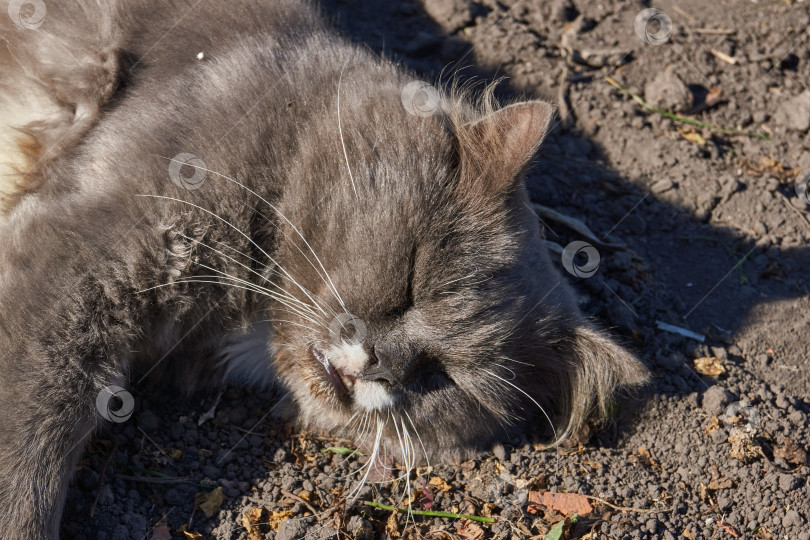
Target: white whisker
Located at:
point(424, 450)
point(237, 229)
point(274, 294)
point(550, 423)
point(340, 132)
point(327, 280)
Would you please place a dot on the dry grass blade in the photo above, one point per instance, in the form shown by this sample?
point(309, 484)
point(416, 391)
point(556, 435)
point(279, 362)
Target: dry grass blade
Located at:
point(575, 225)
point(678, 118)
point(430, 513)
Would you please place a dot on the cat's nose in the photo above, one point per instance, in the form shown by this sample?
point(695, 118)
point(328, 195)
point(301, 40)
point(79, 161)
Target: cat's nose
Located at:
point(387, 364)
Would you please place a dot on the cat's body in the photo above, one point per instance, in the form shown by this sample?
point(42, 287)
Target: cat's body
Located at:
point(321, 203)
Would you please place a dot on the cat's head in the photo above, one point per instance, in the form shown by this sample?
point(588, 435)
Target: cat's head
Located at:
point(418, 304)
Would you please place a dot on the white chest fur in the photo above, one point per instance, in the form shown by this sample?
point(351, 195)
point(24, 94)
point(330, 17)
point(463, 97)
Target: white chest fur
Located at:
point(247, 357)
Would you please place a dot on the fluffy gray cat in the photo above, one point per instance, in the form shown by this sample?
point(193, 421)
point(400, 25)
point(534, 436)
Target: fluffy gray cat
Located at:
point(230, 190)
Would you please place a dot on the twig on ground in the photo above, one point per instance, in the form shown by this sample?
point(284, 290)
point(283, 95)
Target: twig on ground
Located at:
point(680, 331)
point(154, 480)
point(684, 13)
point(156, 477)
point(342, 450)
point(715, 31)
point(299, 499)
point(789, 205)
point(724, 57)
point(575, 225)
point(564, 112)
point(430, 513)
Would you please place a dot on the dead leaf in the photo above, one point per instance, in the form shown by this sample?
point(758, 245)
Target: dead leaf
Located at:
point(468, 529)
point(743, 446)
point(762, 533)
point(771, 167)
point(730, 530)
point(644, 457)
point(713, 97)
point(709, 365)
point(426, 499)
point(703, 493)
point(250, 521)
point(718, 481)
point(692, 136)
point(566, 503)
point(439, 484)
point(595, 465)
point(161, 533)
point(209, 502)
point(721, 483)
point(439, 535)
point(563, 529)
point(415, 498)
point(688, 534)
point(790, 452)
point(192, 535)
point(277, 518)
point(714, 423)
point(391, 526)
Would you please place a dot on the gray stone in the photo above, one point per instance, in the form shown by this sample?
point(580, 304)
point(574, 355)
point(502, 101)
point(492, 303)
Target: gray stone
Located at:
point(360, 528)
point(788, 482)
point(292, 529)
point(804, 161)
point(715, 400)
point(450, 14)
point(794, 113)
point(660, 186)
point(793, 519)
point(667, 91)
point(719, 436)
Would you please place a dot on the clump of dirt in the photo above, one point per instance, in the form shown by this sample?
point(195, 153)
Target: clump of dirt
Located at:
point(696, 158)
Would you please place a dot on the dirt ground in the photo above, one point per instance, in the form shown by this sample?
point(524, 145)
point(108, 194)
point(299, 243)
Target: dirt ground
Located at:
point(704, 229)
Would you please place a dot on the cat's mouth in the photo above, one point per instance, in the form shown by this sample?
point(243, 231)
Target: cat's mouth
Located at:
point(342, 382)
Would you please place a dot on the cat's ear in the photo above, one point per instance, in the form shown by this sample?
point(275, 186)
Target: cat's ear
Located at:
point(494, 150)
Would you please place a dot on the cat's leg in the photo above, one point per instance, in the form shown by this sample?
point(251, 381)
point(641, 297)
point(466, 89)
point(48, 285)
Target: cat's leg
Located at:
point(50, 408)
point(63, 339)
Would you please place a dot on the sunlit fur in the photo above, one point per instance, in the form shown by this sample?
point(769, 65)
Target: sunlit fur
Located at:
point(324, 198)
